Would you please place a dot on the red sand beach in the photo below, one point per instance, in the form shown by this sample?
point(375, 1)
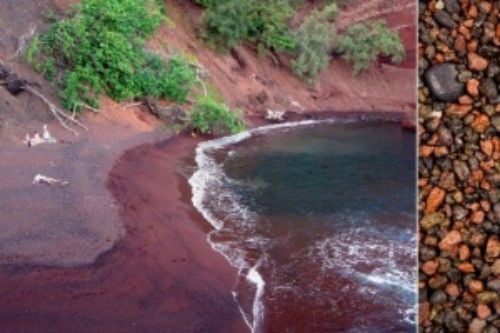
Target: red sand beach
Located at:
point(162, 276)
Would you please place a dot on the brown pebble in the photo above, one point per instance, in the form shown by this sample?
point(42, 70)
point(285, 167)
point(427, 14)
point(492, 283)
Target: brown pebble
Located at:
point(450, 241)
point(430, 267)
point(485, 6)
point(441, 151)
point(476, 62)
point(466, 268)
point(465, 100)
point(434, 200)
point(487, 147)
point(473, 87)
point(460, 44)
point(424, 311)
point(477, 217)
point(481, 123)
point(452, 289)
point(426, 151)
point(464, 252)
point(457, 110)
point(483, 311)
point(493, 248)
point(475, 286)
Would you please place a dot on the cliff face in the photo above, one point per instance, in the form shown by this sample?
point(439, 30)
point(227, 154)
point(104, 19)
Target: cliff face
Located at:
point(245, 79)
point(255, 83)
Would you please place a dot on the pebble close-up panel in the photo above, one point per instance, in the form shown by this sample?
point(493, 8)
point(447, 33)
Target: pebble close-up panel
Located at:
point(459, 208)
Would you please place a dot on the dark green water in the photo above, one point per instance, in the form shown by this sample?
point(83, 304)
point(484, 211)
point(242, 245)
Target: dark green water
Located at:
point(320, 220)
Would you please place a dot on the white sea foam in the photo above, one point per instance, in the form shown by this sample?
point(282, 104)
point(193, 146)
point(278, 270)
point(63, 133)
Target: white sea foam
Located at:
point(222, 208)
point(254, 277)
point(364, 255)
point(211, 196)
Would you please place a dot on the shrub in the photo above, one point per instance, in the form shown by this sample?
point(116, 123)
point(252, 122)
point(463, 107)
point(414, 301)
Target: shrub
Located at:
point(99, 48)
point(264, 22)
point(364, 42)
point(314, 40)
point(211, 117)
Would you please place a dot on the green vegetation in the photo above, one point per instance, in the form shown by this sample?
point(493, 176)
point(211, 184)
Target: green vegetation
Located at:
point(211, 117)
point(315, 39)
point(227, 23)
point(99, 48)
point(364, 42)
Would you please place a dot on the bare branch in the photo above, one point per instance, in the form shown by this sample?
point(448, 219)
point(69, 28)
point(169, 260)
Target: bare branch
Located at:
point(64, 118)
point(23, 42)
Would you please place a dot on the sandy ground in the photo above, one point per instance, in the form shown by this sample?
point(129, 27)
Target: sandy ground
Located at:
point(120, 248)
point(161, 277)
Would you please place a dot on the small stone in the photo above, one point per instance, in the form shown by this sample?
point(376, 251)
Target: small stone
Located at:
point(475, 286)
point(476, 62)
point(444, 19)
point(434, 200)
point(481, 123)
point(488, 297)
point(452, 289)
point(477, 217)
point(464, 76)
point(495, 268)
point(424, 311)
point(485, 6)
point(464, 252)
point(489, 88)
point(452, 6)
point(466, 268)
point(438, 297)
point(442, 81)
point(477, 326)
point(493, 247)
point(450, 241)
point(483, 311)
point(452, 322)
point(431, 220)
point(440, 151)
point(437, 281)
point(473, 87)
point(487, 147)
point(430, 267)
point(494, 285)
point(458, 110)
point(461, 169)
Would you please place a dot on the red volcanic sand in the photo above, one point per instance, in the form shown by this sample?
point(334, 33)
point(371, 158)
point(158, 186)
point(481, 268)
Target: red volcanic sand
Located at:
point(161, 277)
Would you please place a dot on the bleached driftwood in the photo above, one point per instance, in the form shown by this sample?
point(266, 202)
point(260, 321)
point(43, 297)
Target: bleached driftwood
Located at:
point(275, 115)
point(41, 179)
point(36, 139)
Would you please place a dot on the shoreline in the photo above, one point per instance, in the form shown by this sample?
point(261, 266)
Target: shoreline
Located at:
point(162, 274)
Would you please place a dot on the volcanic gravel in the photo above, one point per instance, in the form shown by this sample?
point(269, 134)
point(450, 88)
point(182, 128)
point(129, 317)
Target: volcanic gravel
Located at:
point(459, 198)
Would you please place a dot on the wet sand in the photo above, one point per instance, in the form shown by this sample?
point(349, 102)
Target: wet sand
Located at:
point(162, 276)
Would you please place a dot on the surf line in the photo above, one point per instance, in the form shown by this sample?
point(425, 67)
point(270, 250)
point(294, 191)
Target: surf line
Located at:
point(209, 172)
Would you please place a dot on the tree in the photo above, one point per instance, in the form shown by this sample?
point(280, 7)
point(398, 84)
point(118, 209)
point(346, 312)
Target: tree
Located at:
point(315, 39)
point(364, 42)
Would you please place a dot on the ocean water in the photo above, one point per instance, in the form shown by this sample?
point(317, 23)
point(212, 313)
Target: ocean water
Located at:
point(319, 219)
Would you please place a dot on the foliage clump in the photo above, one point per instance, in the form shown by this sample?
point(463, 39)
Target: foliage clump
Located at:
point(362, 43)
point(227, 23)
point(211, 117)
point(315, 39)
point(99, 48)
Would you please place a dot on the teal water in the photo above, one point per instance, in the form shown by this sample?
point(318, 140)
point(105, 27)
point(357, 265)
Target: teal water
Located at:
point(320, 220)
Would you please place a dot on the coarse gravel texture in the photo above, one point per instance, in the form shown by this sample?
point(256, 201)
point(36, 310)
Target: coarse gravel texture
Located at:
point(459, 197)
